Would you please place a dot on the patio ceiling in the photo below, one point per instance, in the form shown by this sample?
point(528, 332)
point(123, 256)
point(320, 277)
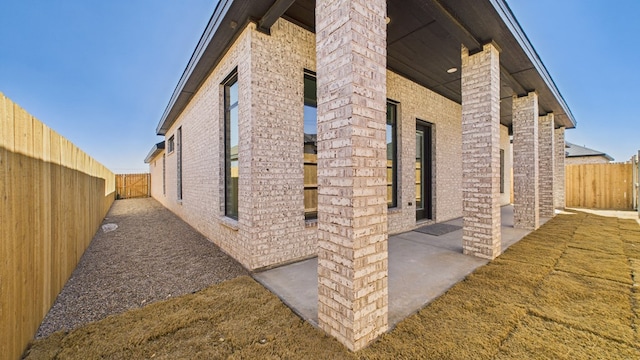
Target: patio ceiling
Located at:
point(423, 41)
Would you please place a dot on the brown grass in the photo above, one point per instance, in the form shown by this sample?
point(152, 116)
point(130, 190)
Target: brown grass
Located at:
point(566, 291)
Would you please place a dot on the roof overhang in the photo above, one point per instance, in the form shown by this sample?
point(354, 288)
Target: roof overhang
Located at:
point(155, 151)
point(424, 38)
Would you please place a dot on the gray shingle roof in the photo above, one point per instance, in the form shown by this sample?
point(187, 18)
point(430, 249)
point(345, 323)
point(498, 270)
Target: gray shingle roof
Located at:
point(573, 150)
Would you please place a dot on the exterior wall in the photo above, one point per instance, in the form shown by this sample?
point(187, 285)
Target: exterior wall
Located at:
point(271, 228)
point(418, 102)
point(546, 164)
point(155, 169)
point(576, 160)
point(277, 172)
point(526, 205)
point(202, 167)
point(480, 83)
point(505, 145)
point(559, 161)
point(352, 170)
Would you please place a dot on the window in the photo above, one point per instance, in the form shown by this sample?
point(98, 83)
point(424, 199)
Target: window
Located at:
point(164, 174)
point(310, 147)
point(501, 171)
point(392, 161)
point(179, 163)
point(170, 145)
point(231, 142)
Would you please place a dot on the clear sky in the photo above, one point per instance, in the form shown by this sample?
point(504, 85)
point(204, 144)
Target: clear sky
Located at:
point(101, 73)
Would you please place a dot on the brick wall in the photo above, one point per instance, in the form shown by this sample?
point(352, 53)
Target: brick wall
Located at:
point(352, 170)
point(418, 102)
point(559, 161)
point(203, 167)
point(271, 229)
point(525, 162)
point(505, 145)
point(277, 178)
point(481, 152)
point(546, 164)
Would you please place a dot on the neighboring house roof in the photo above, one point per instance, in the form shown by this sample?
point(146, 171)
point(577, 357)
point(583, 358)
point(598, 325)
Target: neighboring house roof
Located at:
point(155, 150)
point(573, 150)
point(435, 26)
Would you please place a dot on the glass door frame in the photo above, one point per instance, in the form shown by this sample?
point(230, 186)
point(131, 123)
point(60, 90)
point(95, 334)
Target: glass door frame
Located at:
point(426, 183)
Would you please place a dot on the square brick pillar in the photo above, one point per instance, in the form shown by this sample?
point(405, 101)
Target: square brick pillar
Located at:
point(352, 192)
point(481, 152)
point(546, 164)
point(559, 153)
point(526, 206)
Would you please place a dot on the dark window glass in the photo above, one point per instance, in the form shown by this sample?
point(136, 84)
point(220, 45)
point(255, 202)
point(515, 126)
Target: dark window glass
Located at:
point(179, 162)
point(231, 129)
point(170, 145)
point(501, 171)
point(392, 161)
point(310, 147)
point(164, 174)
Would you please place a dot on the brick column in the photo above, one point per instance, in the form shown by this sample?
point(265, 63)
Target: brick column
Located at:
point(546, 164)
point(481, 152)
point(352, 193)
point(525, 162)
point(559, 153)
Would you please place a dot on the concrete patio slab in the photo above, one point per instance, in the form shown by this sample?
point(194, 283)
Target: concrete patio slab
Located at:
point(421, 268)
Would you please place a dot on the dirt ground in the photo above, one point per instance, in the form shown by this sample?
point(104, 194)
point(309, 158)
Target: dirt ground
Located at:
point(566, 291)
point(152, 255)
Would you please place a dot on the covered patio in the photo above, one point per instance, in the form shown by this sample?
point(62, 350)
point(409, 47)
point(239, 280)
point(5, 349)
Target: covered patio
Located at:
point(472, 54)
point(421, 268)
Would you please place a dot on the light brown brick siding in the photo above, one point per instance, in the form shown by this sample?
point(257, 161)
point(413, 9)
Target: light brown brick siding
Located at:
point(525, 162)
point(559, 153)
point(546, 164)
point(481, 152)
point(505, 145)
point(352, 170)
point(271, 229)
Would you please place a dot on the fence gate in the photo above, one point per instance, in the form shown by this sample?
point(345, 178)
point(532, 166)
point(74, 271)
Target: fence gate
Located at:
point(129, 186)
point(600, 186)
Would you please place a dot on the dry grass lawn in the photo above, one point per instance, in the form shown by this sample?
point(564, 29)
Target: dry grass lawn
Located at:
point(567, 291)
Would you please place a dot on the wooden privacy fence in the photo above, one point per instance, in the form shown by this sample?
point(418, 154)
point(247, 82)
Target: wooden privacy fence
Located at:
point(129, 186)
point(600, 186)
point(53, 198)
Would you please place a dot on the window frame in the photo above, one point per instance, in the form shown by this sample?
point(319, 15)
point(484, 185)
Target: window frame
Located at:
point(230, 81)
point(171, 144)
point(308, 74)
point(394, 169)
point(179, 164)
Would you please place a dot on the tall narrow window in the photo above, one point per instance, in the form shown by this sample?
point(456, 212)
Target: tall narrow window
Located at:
point(231, 141)
point(392, 162)
point(179, 161)
point(310, 147)
point(501, 171)
point(164, 174)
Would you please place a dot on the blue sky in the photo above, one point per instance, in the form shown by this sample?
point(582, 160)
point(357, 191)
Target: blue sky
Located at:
point(101, 73)
point(591, 49)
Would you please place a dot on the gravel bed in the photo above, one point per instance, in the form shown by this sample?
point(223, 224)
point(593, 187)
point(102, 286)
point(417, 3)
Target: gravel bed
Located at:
point(152, 255)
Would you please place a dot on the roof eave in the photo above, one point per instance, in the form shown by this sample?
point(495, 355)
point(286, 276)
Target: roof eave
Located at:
point(155, 151)
point(169, 116)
